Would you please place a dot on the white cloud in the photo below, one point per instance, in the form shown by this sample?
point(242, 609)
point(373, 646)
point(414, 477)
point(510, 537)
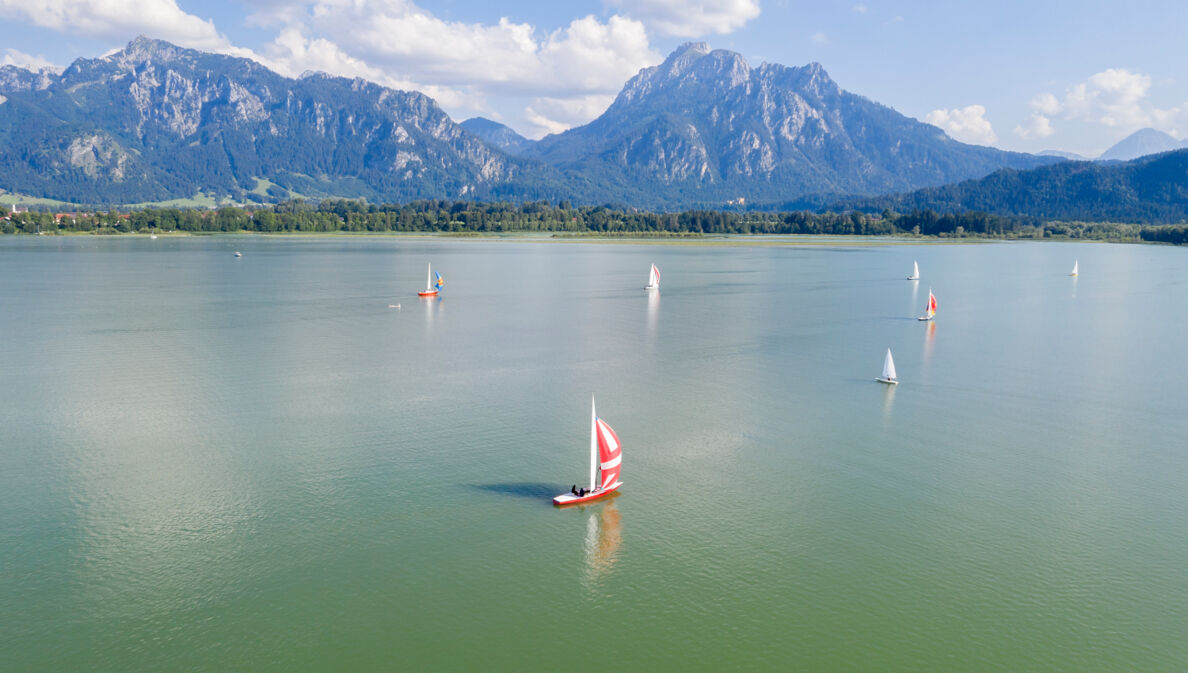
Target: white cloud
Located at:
point(400, 37)
point(1112, 97)
point(682, 18)
point(1046, 104)
point(553, 115)
point(119, 19)
point(399, 44)
point(819, 38)
point(1036, 126)
point(1115, 97)
point(22, 60)
point(967, 124)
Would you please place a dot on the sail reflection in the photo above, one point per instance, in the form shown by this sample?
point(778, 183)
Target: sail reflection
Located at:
point(653, 311)
point(433, 309)
point(888, 402)
point(603, 538)
point(929, 338)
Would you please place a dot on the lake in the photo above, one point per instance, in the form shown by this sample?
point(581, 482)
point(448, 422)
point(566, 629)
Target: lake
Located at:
point(211, 463)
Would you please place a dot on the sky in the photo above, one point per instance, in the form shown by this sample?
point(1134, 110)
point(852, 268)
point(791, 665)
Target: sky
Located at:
point(1034, 75)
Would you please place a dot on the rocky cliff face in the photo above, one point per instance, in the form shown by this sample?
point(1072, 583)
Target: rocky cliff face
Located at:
point(162, 121)
point(14, 79)
point(705, 122)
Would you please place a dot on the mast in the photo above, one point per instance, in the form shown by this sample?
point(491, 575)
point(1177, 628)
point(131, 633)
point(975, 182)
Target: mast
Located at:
point(593, 444)
point(429, 277)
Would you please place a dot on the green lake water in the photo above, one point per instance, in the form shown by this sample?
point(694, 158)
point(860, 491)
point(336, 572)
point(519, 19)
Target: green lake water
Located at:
point(211, 463)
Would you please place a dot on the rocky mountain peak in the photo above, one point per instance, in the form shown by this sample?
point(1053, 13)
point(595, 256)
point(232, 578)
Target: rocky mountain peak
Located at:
point(143, 49)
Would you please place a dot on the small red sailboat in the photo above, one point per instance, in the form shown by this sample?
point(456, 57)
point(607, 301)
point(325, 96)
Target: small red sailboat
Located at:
point(605, 461)
point(431, 288)
point(930, 308)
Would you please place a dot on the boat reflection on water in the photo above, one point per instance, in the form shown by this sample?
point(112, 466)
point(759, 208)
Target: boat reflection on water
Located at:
point(604, 535)
point(929, 338)
point(653, 311)
point(888, 402)
point(433, 309)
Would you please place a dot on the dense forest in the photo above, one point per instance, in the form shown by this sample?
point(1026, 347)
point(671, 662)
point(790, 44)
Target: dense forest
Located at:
point(1148, 190)
point(341, 215)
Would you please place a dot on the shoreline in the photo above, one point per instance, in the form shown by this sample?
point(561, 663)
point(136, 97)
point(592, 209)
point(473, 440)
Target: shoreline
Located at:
point(706, 240)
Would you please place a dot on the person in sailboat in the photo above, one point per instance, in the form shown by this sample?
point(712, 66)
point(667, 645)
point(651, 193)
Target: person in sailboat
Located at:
point(573, 489)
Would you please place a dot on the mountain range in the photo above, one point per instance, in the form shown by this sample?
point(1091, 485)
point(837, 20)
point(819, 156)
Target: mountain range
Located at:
point(154, 121)
point(1152, 189)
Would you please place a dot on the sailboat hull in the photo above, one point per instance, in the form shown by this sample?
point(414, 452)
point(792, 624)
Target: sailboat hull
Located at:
point(571, 499)
point(925, 318)
point(913, 278)
point(429, 293)
point(890, 381)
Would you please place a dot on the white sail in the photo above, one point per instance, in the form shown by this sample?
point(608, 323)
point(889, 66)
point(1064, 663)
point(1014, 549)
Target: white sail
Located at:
point(428, 277)
point(915, 272)
point(1076, 262)
point(889, 367)
point(654, 278)
point(593, 445)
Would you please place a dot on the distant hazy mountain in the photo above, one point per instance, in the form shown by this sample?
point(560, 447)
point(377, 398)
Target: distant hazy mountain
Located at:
point(1151, 189)
point(1140, 144)
point(704, 126)
point(497, 134)
point(1072, 156)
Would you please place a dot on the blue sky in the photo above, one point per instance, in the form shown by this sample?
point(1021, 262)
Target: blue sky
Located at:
point(1074, 76)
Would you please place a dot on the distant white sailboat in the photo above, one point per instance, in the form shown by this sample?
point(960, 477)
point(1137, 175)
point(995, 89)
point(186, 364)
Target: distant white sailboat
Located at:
point(929, 308)
point(888, 370)
point(915, 272)
point(1076, 262)
point(653, 279)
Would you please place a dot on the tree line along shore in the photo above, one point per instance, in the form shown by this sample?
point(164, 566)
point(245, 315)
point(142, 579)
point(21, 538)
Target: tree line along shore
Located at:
point(461, 217)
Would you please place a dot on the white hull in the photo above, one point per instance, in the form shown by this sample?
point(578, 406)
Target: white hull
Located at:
point(925, 318)
point(891, 381)
point(913, 278)
point(571, 499)
point(651, 287)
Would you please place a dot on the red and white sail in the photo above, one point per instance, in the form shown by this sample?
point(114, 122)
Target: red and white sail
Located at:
point(653, 278)
point(605, 460)
point(930, 310)
point(609, 455)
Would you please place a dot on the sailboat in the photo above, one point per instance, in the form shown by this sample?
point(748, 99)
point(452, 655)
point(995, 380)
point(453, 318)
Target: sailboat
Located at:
point(653, 279)
point(888, 370)
point(915, 272)
point(605, 458)
point(930, 308)
point(431, 287)
point(1075, 263)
